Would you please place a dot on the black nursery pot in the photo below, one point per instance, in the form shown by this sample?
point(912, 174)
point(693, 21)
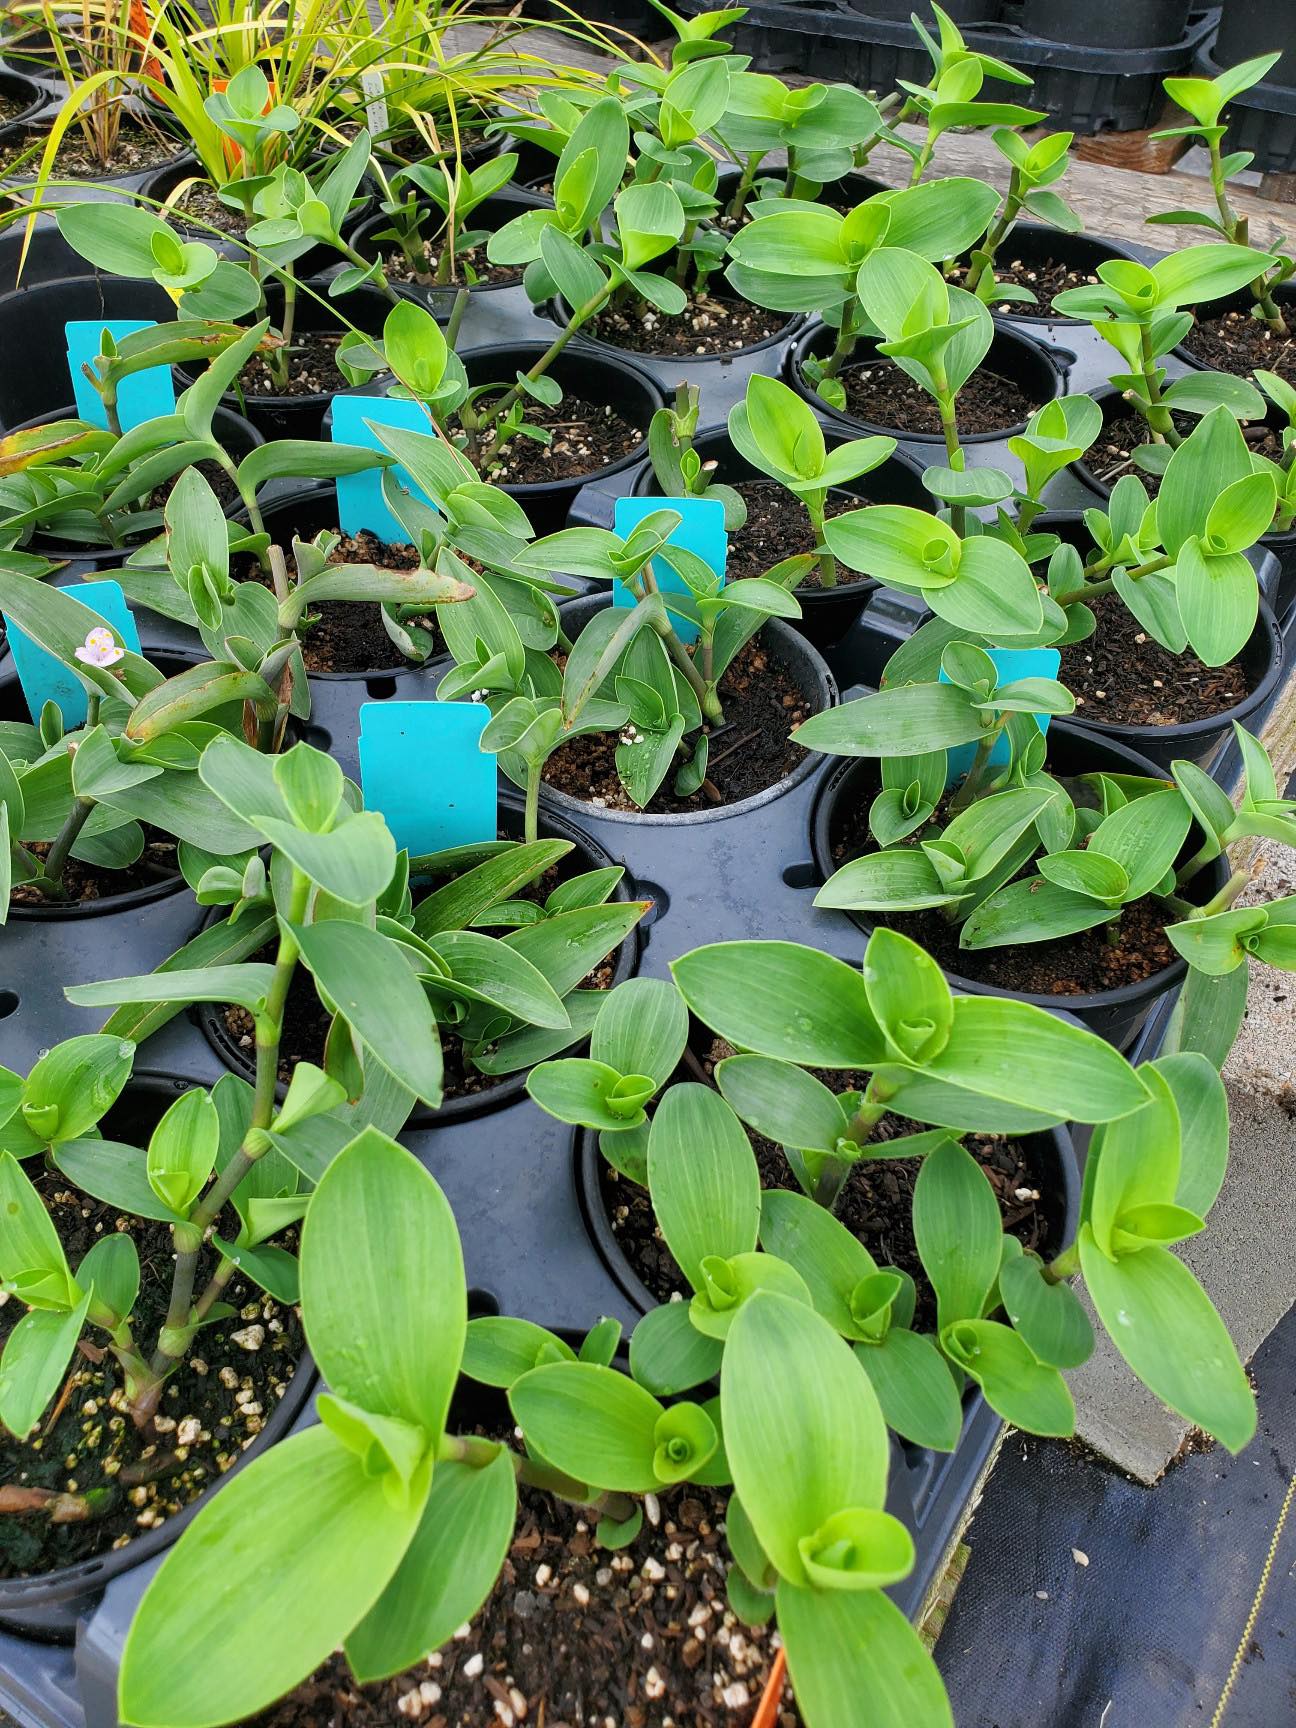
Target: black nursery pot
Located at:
point(553, 825)
point(606, 379)
point(1049, 1154)
point(826, 613)
point(1107, 23)
point(961, 11)
point(303, 416)
point(34, 381)
point(1262, 660)
point(236, 436)
point(49, 1605)
point(800, 661)
point(1248, 28)
point(1012, 354)
point(1035, 243)
point(1115, 1014)
point(17, 87)
point(1241, 302)
point(440, 298)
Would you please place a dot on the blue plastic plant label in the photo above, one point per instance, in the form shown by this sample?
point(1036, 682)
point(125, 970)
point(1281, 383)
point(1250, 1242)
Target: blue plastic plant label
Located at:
point(44, 677)
point(702, 531)
point(422, 766)
point(1011, 664)
point(140, 397)
point(361, 505)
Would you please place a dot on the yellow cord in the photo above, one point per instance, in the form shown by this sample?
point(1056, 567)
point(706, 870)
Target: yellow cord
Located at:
point(1254, 1615)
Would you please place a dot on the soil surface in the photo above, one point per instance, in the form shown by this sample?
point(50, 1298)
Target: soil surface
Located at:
point(205, 211)
point(1126, 951)
point(1046, 280)
point(212, 1409)
point(12, 106)
point(1122, 674)
point(881, 394)
point(157, 863)
point(875, 1204)
point(762, 703)
point(713, 323)
point(1110, 457)
point(574, 1635)
point(472, 268)
point(311, 368)
point(138, 148)
point(1238, 343)
point(778, 527)
point(349, 635)
point(584, 437)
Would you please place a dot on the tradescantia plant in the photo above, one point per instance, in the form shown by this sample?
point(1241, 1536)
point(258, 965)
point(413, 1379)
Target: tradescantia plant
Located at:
point(429, 205)
point(1205, 99)
point(418, 1517)
point(677, 467)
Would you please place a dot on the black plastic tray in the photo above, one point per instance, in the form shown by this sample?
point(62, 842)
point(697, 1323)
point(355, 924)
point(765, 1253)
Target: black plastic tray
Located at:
point(1261, 119)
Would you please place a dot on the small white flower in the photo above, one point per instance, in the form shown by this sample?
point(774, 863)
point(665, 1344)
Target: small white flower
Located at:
point(100, 649)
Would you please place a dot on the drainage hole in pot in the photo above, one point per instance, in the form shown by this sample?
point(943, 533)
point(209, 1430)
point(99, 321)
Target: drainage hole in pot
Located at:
point(658, 901)
point(8, 1003)
point(482, 1304)
point(380, 689)
point(800, 875)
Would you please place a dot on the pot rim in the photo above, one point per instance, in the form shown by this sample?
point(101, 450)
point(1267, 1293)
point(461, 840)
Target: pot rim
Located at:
point(1004, 327)
point(785, 638)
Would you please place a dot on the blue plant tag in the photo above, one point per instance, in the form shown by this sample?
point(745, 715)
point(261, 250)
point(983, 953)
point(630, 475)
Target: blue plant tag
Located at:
point(423, 767)
point(702, 530)
point(44, 677)
point(143, 396)
point(1011, 664)
point(361, 505)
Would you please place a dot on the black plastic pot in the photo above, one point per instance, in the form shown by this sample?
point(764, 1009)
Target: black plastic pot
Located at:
point(1012, 354)
point(1115, 1015)
point(1262, 660)
point(17, 87)
point(1107, 23)
point(825, 612)
point(237, 437)
point(490, 214)
point(1278, 583)
point(961, 11)
point(1285, 296)
point(1034, 243)
point(303, 416)
point(1248, 28)
point(607, 379)
point(802, 663)
point(49, 1606)
point(64, 189)
point(31, 326)
point(552, 826)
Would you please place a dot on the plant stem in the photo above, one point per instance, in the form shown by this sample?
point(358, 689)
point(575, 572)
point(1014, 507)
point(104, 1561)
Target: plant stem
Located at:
point(57, 856)
point(531, 818)
point(551, 353)
point(827, 563)
point(1065, 1265)
point(1154, 412)
point(1227, 894)
point(999, 232)
point(844, 347)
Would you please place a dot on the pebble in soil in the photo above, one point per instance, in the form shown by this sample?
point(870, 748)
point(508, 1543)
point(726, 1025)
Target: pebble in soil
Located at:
point(349, 635)
point(312, 369)
point(575, 1636)
point(875, 1204)
point(752, 752)
point(212, 1409)
point(1238, 343)
point(1123, 675)
point(878, 392)
point(471, 268)
point(713, 323)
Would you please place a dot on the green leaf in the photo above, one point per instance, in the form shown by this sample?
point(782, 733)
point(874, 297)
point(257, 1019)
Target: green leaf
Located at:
point(499, 1349)
point(833, 1262)
point(1219, 599)
point(703, 1179)
point(182, 1150)
point(590, 1094)
point(32, 1262)
point(378, 1222)
point(642, 1028)
point(35, 1362)
point(1208, 1014)
point(592, 1423)
point(669, 1355)
point(1165, 1326)
point(782, 1102)
point(114, 1172)
point(1019, 1387)
point(302, 1535)
point(1202, 1106)
point(790, 1389)
point(915, 1388)
point(246, 985)
point(463, 899)
point(447, 1571)
point(908, 993)
point(902, 721)
point(72, 1085)
point(380, 999)
point(780, 999)
point(856, 1662)
point(112, 1267)
point(1048, 1316)
point(958, 1231)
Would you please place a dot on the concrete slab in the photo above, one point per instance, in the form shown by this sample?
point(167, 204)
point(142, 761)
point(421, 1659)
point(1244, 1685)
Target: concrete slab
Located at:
point(1247, 1257)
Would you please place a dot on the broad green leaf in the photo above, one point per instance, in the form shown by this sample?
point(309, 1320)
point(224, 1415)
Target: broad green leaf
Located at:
point(499, 1349)
point(1049, 1316)
point(592, 1423)
point(669, 1355)
point(856, 1662)
point(589, 1094)
point(703, 1179)
point(72, 1085)
point(247, 985)
point(780, 999)
point(642, 1028)
point(1018, 1386)
point(828, 1256)
point(378, 1222)
point(782, 1102)
point(958, 1231)
point(35, 1363)
point(1202, 1106)
point(1165, 1326)
point(182, 1150)
point(32, 1261)
point(915, 1388)
point(902, 721)
point(116, 1173)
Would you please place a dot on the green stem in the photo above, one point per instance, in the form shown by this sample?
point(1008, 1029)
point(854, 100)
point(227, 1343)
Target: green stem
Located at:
point(827, 563)
point(551, 353)
point(1154, 412)
point(57, 856)
point(1227, 894)
point(1065, 1265)
point(531, 819)
point(746, 181)
point(999, 232)
point(844, 347)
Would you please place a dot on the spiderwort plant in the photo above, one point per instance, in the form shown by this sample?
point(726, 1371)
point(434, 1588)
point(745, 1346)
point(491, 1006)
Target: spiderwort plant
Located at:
point(678, 469)
point(826, 130)
point(429, 205)
point(1205, 99)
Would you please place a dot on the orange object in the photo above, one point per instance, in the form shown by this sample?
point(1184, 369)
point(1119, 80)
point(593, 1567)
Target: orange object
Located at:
point(767, 1710)
point(141, 28)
